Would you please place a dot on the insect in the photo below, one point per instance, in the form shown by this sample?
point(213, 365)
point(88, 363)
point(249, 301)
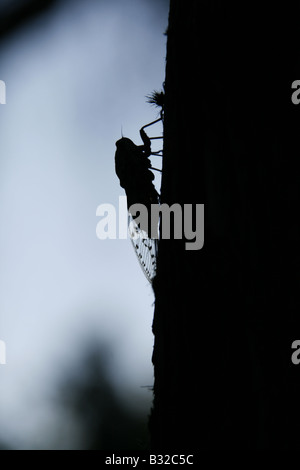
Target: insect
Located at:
point(133, 168)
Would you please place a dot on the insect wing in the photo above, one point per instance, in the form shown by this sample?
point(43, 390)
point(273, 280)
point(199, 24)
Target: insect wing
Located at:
point(144, 247)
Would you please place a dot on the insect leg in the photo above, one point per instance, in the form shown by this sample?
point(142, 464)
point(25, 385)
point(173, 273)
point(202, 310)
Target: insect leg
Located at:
point(157, 169)
point(147, 140)
point(157, 154)
point(151, 123)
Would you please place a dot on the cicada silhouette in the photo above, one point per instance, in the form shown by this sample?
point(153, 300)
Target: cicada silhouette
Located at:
point(133, 168)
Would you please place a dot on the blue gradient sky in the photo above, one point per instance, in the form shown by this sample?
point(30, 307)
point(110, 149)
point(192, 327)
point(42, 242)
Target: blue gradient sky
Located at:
point(73, 78)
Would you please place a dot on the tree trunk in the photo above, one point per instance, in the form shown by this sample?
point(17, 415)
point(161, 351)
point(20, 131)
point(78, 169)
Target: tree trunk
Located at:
point(227, 314)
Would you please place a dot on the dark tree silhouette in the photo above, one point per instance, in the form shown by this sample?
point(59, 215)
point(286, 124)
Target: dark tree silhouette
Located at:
point(226, 315)
point(92, 400)
point(13, 15)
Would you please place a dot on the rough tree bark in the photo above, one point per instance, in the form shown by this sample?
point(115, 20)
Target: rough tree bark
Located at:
point(226, 315)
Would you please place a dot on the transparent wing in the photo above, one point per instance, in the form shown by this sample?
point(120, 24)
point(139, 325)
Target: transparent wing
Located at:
point(144, 247)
